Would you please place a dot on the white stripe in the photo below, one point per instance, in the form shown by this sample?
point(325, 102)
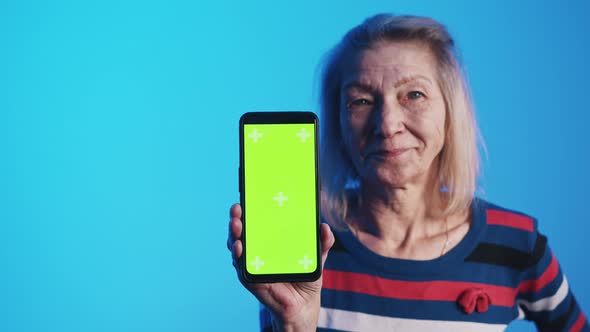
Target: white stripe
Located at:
point(357, 321)
point(520, 313)
point(550, 302)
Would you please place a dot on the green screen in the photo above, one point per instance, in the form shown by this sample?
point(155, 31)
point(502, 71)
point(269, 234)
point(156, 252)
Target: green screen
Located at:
point(280, 198)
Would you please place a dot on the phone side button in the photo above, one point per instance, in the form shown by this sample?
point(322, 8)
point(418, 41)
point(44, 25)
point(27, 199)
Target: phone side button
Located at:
point(240, 179)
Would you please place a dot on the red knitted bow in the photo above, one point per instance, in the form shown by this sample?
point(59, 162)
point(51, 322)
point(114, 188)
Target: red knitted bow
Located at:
point(474, 298)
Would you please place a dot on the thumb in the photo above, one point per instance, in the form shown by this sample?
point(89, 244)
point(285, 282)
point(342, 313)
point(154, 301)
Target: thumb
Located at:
point(327, 241)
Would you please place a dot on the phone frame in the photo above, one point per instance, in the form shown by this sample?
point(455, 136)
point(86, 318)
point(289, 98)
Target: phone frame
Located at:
point(282, 117)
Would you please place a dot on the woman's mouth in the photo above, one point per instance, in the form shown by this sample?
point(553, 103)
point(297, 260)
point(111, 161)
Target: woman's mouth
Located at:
point(387, 153)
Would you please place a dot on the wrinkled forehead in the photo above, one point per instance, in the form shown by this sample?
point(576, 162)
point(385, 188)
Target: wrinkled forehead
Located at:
point(388, 64)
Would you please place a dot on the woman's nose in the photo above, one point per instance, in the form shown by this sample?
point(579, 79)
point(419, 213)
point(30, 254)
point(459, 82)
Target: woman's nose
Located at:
point(389, 119)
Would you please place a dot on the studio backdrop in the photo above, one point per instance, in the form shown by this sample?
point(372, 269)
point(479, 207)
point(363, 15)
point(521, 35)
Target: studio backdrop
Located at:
point(119, 143)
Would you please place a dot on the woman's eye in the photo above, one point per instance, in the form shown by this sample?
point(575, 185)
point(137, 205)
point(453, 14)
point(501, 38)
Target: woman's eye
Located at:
point(359, 102)
point(413, 95)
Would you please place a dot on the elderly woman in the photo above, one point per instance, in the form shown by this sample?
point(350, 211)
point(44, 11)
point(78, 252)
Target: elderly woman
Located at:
point(412, 249)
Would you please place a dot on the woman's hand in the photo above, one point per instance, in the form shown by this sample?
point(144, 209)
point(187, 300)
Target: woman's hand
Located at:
point(293, 306)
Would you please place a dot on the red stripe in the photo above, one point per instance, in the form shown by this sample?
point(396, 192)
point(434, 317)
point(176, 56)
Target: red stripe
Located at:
point(413, 290)
point(548, 276)
point(504, 218)
point(579, 324)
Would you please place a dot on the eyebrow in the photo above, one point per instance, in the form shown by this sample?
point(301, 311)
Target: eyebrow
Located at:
point(408, 79)
point(400, 82)
point(358, 85)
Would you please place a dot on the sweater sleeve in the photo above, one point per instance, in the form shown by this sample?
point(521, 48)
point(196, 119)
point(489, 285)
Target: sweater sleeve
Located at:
point(545, 297)
point(265, 319)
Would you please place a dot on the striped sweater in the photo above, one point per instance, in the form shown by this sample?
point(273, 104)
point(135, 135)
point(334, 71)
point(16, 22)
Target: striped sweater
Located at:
point(502, 270)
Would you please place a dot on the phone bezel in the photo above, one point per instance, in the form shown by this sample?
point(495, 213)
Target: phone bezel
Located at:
point(283, 117)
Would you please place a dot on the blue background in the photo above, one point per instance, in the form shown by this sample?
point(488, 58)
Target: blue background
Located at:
point(119, 153)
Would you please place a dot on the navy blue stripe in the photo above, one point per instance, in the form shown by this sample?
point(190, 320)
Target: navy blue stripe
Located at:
point(548, 290)
point(549, 316)
point(345, 262)
point(412, 309)
point(264, 318)
point(510, 237)
point(337, 246)
point(466, 272)
point(560, 323)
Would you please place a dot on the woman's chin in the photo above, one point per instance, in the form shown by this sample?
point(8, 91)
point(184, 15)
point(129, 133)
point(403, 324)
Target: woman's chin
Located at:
point(389, 179)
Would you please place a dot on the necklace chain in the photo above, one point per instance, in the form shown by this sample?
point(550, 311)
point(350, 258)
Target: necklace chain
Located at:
point(444, 248)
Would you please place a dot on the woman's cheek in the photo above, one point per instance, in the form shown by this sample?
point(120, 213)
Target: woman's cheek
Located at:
point(417, 110)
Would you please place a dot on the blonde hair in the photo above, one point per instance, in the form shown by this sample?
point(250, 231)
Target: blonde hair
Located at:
point(458, 159)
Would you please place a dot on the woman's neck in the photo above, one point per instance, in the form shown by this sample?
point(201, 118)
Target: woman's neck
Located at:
point(405, 221)
point(397, 213)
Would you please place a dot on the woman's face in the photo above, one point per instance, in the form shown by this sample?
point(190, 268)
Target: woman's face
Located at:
point(392, 113)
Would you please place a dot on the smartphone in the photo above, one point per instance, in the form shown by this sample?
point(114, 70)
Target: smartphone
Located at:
point(279, 194)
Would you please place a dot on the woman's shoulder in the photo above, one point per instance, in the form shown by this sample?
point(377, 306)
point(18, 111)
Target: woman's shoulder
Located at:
point(502, 216)
point(510, 237)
